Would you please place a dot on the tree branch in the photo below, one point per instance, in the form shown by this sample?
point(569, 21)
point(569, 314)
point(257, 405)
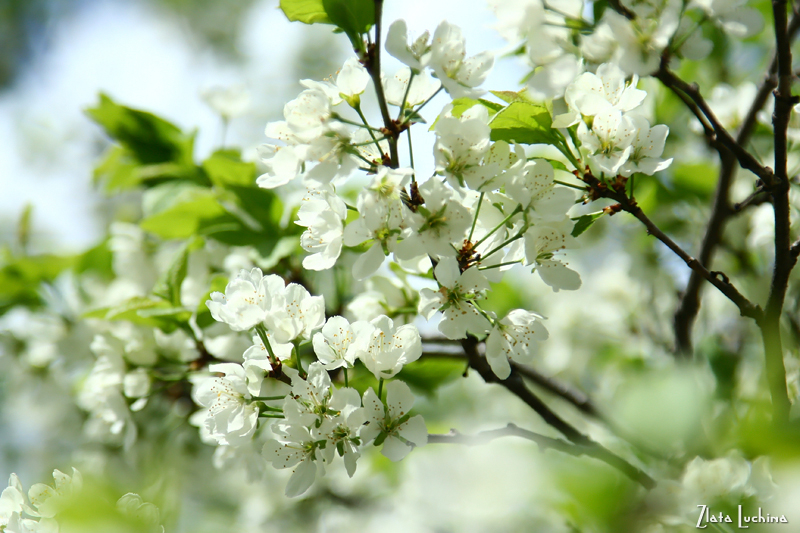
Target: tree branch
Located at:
point(784, 259)
point(373, 66)
point(690, 92)
point(544, 443)
point(516, 385)
point(718, 279)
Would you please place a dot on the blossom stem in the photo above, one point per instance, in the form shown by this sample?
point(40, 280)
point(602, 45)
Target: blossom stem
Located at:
point(367, 143)
point(354, 123)
point(268, 398)
point(270, 409)
point(296, 353)
point(411, 155)
point(344, 369)
point(518, 209)
point(380, 389)
point(572, 185)
point(423, 104)
point(263, 415)
point(475, 220)
point(405, 96)
point(262, 334)
point(500, 247)
point(499, 265)
point(366, 123)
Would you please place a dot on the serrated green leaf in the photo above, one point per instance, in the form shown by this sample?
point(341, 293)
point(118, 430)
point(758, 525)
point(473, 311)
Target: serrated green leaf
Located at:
point(582, 223)
point(225, 168)
point(148, 138)
point(523, 123)
point(305, 11)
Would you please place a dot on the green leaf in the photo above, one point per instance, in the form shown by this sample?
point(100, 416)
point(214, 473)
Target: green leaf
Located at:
point(226, 168)
point(354, 17)
point(460, 105)
point(305, 11)
point(21, 277)
point(696, 179)
point(204, 318)
point(582, 223)
point(185, 219)
point(148, 138)
point(428, 374)
point(145, 312)
point(24, 226)
point(169, 284)
point(117, 170)
point(523, 123)
point(510, 97)
point(98, 260)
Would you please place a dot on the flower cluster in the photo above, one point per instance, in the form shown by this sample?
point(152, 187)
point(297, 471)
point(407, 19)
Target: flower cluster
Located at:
point(316, 419)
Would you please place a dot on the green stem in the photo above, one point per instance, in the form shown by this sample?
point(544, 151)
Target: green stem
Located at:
point(366, 124)
point(475, 220)
point(411, 155)
point(354, 123)
point(297, 360)
point(518, 209)
point(423, 104)
point(262, 415)
point(271, 409)
point(565, 184)
point(268, 398)
point(500, 247)
point(405, 96)
point(380, 389)
point(346, 384)
point(262, 334)
point(499, 265)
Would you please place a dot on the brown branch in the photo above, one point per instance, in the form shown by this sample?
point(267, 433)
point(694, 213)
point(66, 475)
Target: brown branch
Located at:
point(717, 279)
point(516, 385)
point(720, 134)
point(373, 66)
point(544, 443)
point(784, 259)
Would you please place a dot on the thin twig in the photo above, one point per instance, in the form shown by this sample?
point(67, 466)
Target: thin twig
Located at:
point(544, 442)
point(515, 384)
point(373, 66)
point(721, 282)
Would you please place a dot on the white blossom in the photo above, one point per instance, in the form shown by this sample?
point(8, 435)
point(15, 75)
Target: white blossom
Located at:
point(459, 75)
point(454, 298)
point(230, 416)
point(513, 338)
point(416, 54)
point(385, 348)
point(322, 214)
point(246, 300)
point(333, 344)
point(399, 431)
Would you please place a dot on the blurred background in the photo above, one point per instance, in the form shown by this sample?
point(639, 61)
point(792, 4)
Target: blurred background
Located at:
point(156, 55)
point(611, 339)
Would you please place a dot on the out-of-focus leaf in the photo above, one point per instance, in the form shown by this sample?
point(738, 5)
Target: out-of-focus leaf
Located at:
point(225, 168)
point(696, 179)
point(98, 260)
point(149, 138)
point(306, 11)
point(510, 97)
point(145, 312)
point(21, 277)
point(428, 374)
point(524, 123)
point(204, 318)
point(169, 284)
